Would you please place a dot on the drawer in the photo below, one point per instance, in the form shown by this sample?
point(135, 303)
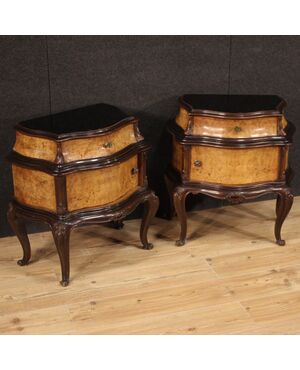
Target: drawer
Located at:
point(98, 146)
point(235, 128)
point(234, 166)
point(34, 188)
point(103, 186)
point(76, 149)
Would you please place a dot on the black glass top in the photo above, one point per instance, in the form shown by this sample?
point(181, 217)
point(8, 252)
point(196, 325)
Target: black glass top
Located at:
point(234, 103)
point(93, 117)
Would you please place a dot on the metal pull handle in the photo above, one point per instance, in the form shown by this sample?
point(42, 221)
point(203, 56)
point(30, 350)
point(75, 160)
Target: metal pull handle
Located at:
point(134, 170)
point(108, 144)
point(197, 163)
point(237, 129)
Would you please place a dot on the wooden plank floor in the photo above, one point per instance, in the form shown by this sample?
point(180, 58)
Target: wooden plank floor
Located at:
point(230, 278)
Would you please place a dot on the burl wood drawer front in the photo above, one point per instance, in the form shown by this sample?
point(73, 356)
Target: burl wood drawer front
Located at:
point(99, 146)
point(34, 188)
point(234, 166)
point(35, 147)
point(235, 128)
point(93, 188)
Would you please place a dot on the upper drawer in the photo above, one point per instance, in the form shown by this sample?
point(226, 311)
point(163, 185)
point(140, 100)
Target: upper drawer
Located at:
point(235, 128)
point(97, 146)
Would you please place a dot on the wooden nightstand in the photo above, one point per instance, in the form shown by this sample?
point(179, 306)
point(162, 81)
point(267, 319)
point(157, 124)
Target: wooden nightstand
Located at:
point(78, 167)
point(230, 147)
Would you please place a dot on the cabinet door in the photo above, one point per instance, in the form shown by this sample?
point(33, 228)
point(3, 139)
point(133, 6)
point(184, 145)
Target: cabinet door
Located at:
point(234, 166)
point(103, 186)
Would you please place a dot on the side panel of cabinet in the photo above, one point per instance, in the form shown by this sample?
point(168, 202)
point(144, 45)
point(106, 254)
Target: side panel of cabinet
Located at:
point(103, 186)
point(34, 188)
point(177, 155)
point(35, 147)
point(234, 166)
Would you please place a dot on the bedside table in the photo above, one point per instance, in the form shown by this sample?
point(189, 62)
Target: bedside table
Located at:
point(78, 167)
point(230, 147)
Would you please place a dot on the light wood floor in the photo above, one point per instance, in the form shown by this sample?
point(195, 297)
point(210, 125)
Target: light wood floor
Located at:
point(230, 278)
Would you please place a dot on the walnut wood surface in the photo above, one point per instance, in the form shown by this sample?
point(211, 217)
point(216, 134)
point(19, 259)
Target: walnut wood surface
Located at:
point(98, 146)
point(34, 188)
point(229, 127)
point(177, 155)
point(182, 118)
point(234, 166)
point(235, 128)
point(35, 147)
point(99, 187)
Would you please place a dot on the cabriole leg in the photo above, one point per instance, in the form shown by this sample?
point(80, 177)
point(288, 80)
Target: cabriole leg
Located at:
point(19, 227)
point(179, 197)
point(170, 188)
point(61, 235)
point(150, 209)
point(283, 206)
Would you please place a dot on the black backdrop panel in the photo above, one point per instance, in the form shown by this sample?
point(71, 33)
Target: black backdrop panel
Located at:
point(144, 75)
point(24, 93)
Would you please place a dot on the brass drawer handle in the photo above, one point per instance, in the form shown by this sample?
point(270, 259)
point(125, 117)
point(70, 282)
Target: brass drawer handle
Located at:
point(237, 129)
point(108, 144)
point(197, 163)
point(134, 170)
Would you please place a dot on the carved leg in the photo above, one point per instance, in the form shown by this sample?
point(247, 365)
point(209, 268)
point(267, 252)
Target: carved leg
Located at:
point(117, 224)
point(19, 227)
point(283, 206)
point(277, 204)
point(150, 209)
point(179, 196)
point(170, 188)
point(61, 235)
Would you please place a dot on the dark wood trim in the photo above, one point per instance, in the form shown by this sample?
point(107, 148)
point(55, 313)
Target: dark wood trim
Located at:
point(265, 141)
point(210, 113)
point(233, 195)
point(142, 161)
point(61, 194)
point(75, 135)
point(57, 169)
point(62, 224)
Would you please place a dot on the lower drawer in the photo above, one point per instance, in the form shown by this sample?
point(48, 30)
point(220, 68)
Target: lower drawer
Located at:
point(234, 166)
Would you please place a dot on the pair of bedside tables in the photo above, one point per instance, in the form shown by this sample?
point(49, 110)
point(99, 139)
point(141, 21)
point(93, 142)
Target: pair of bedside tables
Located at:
point(89, 165)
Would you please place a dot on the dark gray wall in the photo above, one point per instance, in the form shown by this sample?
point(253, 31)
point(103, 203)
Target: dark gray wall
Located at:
point(144, 75)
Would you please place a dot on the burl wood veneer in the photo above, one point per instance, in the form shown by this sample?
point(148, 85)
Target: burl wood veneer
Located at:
point(230, 147)
point(78, 167)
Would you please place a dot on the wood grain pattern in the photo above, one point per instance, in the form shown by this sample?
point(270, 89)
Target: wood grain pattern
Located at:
point(177, 159)
point(99, 146)
point(34, 188)
point(235, 128)
point(182, 118)
point(35, 147)
point(92, 188)
point(235, 166)
point(227, 284)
